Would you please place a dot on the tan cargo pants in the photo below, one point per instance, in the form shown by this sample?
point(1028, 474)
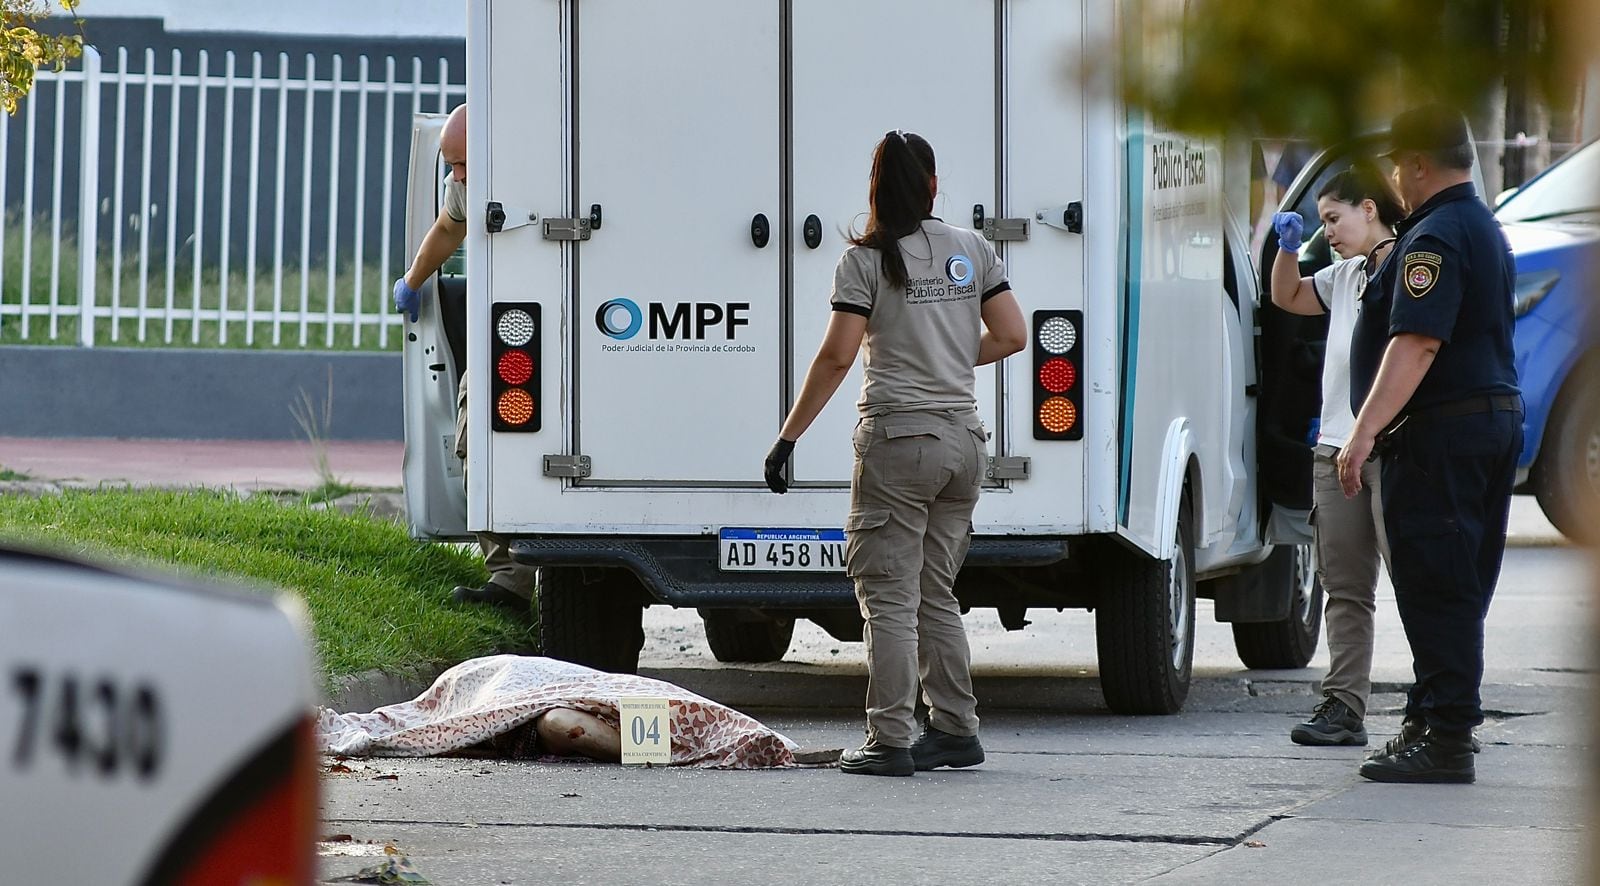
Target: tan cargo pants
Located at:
point(1350, 540)
point(510, 575)
point(911, 500)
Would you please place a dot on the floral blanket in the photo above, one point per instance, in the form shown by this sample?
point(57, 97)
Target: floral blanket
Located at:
point(483, 699)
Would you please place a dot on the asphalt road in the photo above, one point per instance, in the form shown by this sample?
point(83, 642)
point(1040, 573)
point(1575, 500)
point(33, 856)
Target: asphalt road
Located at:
point(1070, 793)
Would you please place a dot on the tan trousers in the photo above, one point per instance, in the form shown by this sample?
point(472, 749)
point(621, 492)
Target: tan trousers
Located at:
point(911, 500)
point(503, 571)
point(1350, 540)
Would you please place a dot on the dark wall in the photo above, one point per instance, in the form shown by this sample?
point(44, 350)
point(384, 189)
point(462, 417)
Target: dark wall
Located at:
point(138, 35)
point(192, 394)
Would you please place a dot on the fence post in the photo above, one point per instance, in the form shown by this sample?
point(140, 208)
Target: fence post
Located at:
point(88, 195)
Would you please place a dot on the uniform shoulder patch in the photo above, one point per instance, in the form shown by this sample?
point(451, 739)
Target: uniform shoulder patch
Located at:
point(1421, 272)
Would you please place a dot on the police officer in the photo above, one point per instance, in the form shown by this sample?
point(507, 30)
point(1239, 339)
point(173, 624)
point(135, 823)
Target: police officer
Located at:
point(1432, 376)
point(921, 294)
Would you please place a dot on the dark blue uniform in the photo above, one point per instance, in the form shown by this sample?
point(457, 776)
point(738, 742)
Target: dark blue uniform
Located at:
point(1449, 466)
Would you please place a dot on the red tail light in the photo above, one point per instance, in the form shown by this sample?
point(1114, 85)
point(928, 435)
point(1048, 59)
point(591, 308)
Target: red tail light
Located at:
point(259, 826)
point(1057, 358)
point(515, 357)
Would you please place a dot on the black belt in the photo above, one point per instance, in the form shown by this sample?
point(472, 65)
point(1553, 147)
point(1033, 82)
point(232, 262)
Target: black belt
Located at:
point(1469, 406)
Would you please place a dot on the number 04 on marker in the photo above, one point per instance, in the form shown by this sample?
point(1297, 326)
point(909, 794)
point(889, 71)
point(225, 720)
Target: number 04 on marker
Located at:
point(646, 730)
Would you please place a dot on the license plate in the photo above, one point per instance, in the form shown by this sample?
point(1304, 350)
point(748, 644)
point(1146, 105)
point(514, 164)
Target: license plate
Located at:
point(781, 550)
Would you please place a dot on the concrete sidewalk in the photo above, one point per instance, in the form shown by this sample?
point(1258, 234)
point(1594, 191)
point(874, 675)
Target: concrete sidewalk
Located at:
point(291, 464)
point(239, 464)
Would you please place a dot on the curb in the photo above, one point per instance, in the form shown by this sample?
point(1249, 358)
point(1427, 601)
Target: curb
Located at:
point(803, 688)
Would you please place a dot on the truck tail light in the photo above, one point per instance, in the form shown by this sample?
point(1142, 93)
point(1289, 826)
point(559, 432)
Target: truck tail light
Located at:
point(515, 358)
point(259, 826)
point(1057, 373)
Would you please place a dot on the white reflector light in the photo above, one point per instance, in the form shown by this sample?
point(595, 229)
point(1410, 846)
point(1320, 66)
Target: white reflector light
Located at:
point(1057, 335)
point(515, 328)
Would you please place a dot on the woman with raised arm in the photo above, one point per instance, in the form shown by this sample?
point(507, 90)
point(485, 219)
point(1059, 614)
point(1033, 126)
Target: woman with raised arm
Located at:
point(1358, 210)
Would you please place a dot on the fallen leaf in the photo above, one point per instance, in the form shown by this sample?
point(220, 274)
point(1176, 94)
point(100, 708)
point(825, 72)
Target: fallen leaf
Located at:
point(1255, 844)
point(339, 768)
point(338, 838)
point(386, 778)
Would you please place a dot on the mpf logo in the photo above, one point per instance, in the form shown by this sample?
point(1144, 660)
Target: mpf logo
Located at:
point(621, 319)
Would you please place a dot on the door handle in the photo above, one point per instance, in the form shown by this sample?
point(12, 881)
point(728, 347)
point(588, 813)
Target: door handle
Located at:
point(812, 231)
point(760, 231)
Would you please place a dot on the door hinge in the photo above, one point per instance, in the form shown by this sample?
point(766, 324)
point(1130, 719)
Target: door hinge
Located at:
point(1067, 218)
point(573, 228)
point(1003, 229)
point(498, 217)
point(1008, 467)
point(566, 229)
point(575, 466)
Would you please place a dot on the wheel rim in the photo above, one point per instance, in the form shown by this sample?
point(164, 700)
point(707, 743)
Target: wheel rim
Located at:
point(1305, 582)
point(1178, 605)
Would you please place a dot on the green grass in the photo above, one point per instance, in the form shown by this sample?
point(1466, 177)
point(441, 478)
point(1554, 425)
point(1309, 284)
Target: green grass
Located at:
point(8, 474)
point(378, 599)
point(123, 287)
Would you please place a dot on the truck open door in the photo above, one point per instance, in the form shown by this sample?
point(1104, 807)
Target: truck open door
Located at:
point(434, 356)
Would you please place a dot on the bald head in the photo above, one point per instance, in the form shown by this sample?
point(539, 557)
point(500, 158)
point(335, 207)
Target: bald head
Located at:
point(453, 143)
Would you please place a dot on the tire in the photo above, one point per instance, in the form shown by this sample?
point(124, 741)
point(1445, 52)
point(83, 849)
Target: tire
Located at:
point(1144, 629)
point(1290, 643)
point(1568, 474)
point(733, 640)
point(592, 617)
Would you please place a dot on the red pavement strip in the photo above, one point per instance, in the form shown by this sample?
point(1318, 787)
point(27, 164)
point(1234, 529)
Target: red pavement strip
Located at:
point(240, 464)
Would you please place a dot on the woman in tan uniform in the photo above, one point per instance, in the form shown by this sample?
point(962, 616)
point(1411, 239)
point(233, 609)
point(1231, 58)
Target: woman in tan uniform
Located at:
point(930, 301)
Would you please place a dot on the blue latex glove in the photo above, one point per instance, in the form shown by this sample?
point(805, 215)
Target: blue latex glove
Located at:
point(1291, 228)
point(406, 299)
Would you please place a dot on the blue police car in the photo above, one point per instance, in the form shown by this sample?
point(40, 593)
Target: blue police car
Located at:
point(1553, 225)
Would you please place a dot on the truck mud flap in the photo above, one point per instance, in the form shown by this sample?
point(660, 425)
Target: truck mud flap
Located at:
point(683, 572)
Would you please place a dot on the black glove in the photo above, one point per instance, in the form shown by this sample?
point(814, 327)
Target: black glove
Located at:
point(777, 459)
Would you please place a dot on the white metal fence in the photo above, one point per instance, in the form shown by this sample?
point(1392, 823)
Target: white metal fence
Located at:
point(264, 210)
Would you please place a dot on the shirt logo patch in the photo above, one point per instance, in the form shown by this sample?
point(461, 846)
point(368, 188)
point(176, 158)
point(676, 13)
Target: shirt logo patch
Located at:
point(1422, 271)
point(958, 268)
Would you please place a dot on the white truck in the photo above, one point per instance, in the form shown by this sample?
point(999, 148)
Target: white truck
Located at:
point(658, 195)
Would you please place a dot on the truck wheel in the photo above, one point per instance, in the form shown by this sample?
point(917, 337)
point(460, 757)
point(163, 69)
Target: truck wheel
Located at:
point(1144, 628)
point(1568, 482)
point(592, 617)
point(734, 639)
point(1289, 643)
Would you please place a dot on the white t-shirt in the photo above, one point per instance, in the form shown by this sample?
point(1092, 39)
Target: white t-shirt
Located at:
point(1339, 287)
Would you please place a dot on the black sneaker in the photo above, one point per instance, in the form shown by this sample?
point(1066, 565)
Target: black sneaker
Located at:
point(1412, 729)
point(935, 748)
point(877, 759)
point(1331, 723)
point(492, 594)
point(1431, 759)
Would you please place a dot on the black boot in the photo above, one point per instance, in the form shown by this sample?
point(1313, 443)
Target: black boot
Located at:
point(1411, 729)
point(1331, 723)
point(935, 748)
point(877, 759)
point(492, 594)
point(1435, 758)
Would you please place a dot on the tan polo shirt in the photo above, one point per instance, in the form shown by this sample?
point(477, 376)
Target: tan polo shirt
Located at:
point(455, 198)
point(922, 339)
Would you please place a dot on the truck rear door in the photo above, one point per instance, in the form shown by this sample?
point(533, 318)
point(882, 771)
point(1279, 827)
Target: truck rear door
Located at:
point(838, 116)
point(677, 322)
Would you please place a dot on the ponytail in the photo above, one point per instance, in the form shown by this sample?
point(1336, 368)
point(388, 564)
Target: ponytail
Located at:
point(900, 196)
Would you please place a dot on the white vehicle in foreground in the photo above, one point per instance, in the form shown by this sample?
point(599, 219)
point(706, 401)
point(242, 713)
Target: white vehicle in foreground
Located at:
point(156, 731)
point(658, 195)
